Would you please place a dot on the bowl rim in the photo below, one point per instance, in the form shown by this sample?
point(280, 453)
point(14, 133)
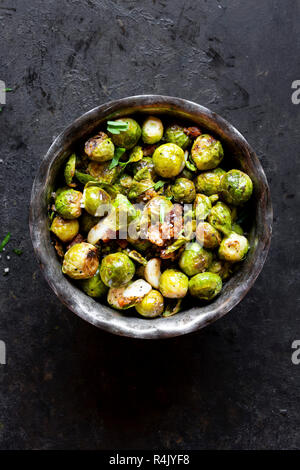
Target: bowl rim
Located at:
point(120, 324)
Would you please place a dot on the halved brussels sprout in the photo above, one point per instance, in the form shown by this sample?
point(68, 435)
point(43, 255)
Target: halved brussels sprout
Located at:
point(207, 235)
point(129, 295)
point(157, 206)
point(234, 248)
point(94, 286)
point(116, 270)
point(68, 203)
point(183, 190)
point(173, 284)
point(152, 130)
point(220, 218)
point(152, 305)
point(202, 207)
point(65, 230)
point(168, 160)
point(208, 183)
point(236, 187)
point(175, 135)
point(194, 259)
point(81, 261)
point(100, 148)
point(205, 286)
point(96, 200)
point(207, 152)
point(129, 138)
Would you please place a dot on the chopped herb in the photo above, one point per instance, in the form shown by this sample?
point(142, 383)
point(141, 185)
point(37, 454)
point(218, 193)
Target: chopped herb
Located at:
point(118, 154)
point(17, 251)
point(115, 127)
point(159, 184)
point(8, 89)
point(5, 241)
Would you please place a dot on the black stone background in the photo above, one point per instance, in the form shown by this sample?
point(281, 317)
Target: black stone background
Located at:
point(67, 385)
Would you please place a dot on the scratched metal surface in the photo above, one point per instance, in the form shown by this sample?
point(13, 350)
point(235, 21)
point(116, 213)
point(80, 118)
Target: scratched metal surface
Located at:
point(67, 384)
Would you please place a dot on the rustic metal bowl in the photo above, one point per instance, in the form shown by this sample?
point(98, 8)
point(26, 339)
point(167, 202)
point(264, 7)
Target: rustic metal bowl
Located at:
point(195, 317)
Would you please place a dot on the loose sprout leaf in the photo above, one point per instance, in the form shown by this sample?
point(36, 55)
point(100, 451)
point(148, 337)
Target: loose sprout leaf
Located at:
point(136, 256)
point(84, 178)
point(115, 127)
point(190, 166)
point(5, 241)
point(172, 309)
point(17, 251)
point(113, 131)
point(8, 89)
point(159, 185)
point(118, 154)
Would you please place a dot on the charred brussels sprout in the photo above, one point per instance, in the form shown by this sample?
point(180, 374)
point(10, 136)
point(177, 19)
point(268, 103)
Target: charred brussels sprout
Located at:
point(168, 160)
point(207, 152)
point(157, 206)
point(208, 183)
point(202, 206)
point(147, 163)
point(65, 230)
point(94, 286)
point(81, 261)
point(99, 148)
point(67, 203)
point(205, 286)
point(220, 218)
point(208, 236)
point(173, 284)
point(175, 135)
point(87, 221)
point(194, 259)
point(129, 138)
point(234, 248)
point(152, 305)
point(183, 190)
point(102, 172)
point(96, 201)
point(152, 130)
point(236, 187)
point(116, 270)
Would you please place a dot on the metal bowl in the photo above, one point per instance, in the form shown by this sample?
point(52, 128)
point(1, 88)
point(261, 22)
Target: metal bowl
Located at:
point(195, 317)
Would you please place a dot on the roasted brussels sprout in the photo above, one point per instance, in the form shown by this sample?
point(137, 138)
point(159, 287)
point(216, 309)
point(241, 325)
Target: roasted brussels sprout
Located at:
point(94, 286)
point(173, 284)
point(152, 130)
point(202, 206)
point(146, 162)
point(70, 170)
point(100, 148)
point(129, 138)
point(194, 259)
point(220, 218)
point(183, 190)
point(116, 270)
point(236, 187)
point(81, 261)
point(207, 235)
point(221, 267)
point(234, 248)
point(102, 172)
point(87, 221)
point(96, 200)
point(207, 152)
point(168, 160)
point(65, 230)
point(68, 203)
point(175, 135)
point(208, 183)
point(237, 229)
point(157, 206)
point(129, 295)
point(205, 286)
point(152, 305)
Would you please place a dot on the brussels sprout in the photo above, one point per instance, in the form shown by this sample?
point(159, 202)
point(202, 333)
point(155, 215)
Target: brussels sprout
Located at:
point(237, 229)
point(183, 190)
point(94, 287)
point(138, 244)
point(102, 172)
point(168, 160)
point(236, 187)
point(155, 207)
point(175, 135)
point(136, 155)
point(208, 183)
point(81, 261)
point(116, 270)
point(234, 248)
point(220, 218)
point(87, 221)
point(67, 203)
point(202, 206)
point(129, 295)
point(207, 235)
point(65, 230)
point(186, 173)
point(70, 170)
point(129, 138)
point(205, 286)
point(99, 148)
point(152, 305)
point(96, 200)
point(146, 162)
point(173, 284)
point(152, 130)
point(222, 268)
point(194, 259)
point(207, 152)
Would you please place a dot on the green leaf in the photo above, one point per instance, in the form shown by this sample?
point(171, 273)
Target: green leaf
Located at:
point(17, 251)
point(84, 178)
point(159, 184)
point(115, 127)
point(5, 241)
point(8, 89)
point(190, 166)
point(118, 154)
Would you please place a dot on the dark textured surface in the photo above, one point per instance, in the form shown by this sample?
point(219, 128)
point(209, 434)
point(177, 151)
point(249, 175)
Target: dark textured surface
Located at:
point(69, 385)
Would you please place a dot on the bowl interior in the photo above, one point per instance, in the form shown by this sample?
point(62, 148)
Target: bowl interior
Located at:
point(239, 155)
